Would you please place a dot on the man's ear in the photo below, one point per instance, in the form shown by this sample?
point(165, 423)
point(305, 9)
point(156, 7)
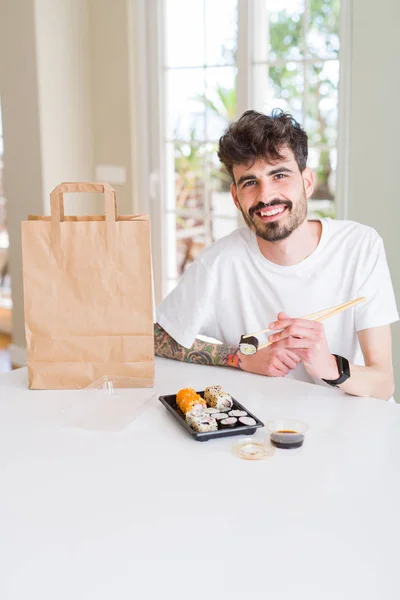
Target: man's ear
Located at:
point(234, 195)
point(308, 180)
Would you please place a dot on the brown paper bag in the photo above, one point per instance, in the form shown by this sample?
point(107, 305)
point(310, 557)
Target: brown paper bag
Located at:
point(88, 295)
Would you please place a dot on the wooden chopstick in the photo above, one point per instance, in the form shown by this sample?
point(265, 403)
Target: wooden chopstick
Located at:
point(333, 310)
point(317, 316)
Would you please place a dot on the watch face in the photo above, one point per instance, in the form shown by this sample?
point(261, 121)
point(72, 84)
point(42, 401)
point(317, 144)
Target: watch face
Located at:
point(344, 367)
point(344, 371)
point(339, 362)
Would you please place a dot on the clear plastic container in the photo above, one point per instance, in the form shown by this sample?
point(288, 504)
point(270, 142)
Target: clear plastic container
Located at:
point(110, 383)
point(287, 433)
point(110, 403)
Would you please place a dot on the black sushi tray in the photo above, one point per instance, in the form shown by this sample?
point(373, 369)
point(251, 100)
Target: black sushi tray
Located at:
point(170, 404)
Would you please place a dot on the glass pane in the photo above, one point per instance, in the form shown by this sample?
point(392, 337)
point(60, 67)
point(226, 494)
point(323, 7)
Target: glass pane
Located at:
point(221, 100)
point(185, 104)
point(223, 226)
point(279, 87)
point(221, 31)
point(321, 208)
point(323, 164)
point(285, 26)
point(186, 162)
point(219, 178)
point(191, 240)
point(323, 28)
point(184, 34)
point(170, 242)
point(190, 190)
point(322, 103)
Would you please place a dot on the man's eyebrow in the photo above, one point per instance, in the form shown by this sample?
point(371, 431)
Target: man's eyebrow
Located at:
point(244, 178)
point(275, 171)
point(279, 170)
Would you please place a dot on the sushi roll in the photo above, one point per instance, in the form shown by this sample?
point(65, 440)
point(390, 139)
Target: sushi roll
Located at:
point(188, 398)
point(198, 409)
point(229, 422)
point(210, 392)
point(211, 411)
point(238, 413)
point(215, 397)
point(248, 421)
point(196, 415)
point(248, 345)
point(219, 416)
point(204, 424)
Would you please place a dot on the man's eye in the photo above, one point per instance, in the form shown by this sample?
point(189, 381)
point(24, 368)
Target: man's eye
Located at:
point(248, 183)
point(280, 176)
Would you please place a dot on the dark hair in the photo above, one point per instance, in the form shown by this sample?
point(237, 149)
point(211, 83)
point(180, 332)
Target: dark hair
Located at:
point(256, 135)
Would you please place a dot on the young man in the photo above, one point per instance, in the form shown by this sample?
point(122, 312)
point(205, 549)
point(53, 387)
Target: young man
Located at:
point(279, 267)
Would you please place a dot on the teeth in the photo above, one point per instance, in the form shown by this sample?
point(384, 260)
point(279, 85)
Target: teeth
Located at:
point(269, 213)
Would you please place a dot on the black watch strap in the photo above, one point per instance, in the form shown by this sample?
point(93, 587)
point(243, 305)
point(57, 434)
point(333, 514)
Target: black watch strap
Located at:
point(344, 371)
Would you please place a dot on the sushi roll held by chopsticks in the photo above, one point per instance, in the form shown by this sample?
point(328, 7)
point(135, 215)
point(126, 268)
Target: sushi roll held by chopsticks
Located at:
point(249, 344)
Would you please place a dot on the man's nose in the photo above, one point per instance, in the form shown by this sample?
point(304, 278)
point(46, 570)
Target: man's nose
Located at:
point(265, 191)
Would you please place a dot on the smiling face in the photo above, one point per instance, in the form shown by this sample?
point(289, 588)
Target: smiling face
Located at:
point(272, 196)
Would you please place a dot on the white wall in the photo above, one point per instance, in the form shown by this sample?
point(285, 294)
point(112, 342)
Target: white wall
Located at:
point(63, 45)
point(64, 85)
point(374, 152)
point(22, 141)
point(112, 100)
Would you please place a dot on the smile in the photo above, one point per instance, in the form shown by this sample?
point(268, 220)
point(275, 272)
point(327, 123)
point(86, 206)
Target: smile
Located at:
point(268, 215)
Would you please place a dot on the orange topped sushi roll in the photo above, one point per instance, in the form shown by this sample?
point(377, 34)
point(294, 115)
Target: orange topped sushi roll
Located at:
point(187, 398)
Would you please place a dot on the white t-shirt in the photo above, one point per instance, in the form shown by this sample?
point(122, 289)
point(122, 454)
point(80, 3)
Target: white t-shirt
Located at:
point(232, 289)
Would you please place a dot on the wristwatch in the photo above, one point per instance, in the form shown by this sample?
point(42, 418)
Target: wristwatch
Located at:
point(344, 371)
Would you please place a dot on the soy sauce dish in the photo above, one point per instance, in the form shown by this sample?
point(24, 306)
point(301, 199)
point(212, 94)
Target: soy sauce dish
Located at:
point(287, 433)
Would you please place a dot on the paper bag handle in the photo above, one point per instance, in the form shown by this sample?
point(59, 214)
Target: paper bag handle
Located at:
point(57, 198)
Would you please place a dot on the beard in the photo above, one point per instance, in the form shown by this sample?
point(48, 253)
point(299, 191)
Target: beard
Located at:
point(277, 231)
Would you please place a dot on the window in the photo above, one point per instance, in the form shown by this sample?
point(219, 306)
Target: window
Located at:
point(200, 88)
point(213, 61)
point(296, 67)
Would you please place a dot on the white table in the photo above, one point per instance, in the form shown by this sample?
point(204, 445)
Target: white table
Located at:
point(148, 513)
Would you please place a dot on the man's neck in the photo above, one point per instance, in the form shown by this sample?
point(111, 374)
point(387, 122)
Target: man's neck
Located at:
point(301, 243)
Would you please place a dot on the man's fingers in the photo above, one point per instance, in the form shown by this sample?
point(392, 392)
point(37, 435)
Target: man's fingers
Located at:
point(274, 372)
point(291, 342)
point(285, 322)
point(280, 366)
point(282, 316)
point(296, 330)
point(300, 353)
point(293, 355)
point(289, 361)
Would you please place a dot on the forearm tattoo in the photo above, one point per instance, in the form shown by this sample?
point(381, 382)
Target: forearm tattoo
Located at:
point(202, 353)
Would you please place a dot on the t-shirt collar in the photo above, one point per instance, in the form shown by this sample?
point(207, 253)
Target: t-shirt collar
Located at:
point(305, 264)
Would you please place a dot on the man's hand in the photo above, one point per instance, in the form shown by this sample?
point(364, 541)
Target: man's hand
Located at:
point(307, 340)
point(272, 361)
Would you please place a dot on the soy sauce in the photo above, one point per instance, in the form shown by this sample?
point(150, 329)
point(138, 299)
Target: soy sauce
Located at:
point(287, 438)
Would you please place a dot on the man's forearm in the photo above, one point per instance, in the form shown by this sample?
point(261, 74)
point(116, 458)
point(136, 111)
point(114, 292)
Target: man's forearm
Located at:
point(200, 353)
point(369, 381)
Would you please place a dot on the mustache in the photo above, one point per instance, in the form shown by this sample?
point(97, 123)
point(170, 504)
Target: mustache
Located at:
point(274, 202)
